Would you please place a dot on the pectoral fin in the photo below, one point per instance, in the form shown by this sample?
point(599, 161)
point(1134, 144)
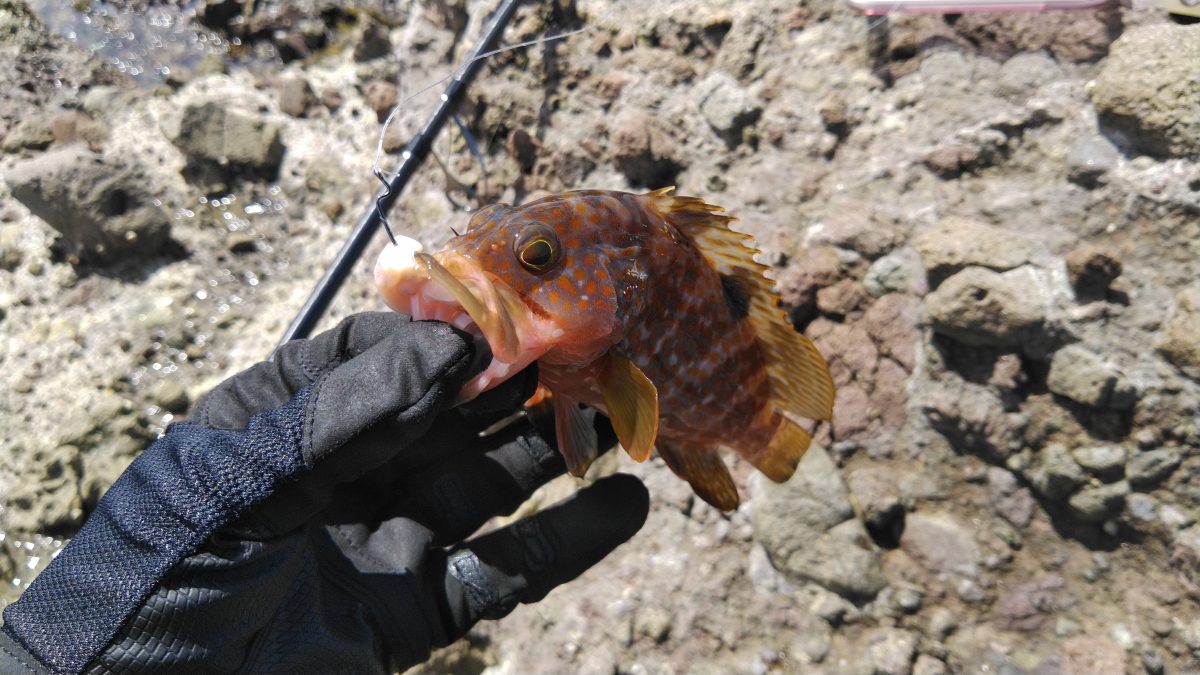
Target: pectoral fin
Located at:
point(632, 402)
point(703, 469)
point(577, 440)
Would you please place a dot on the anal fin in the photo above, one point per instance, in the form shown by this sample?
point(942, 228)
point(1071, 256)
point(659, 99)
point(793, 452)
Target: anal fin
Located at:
point(703, 469)
point(577, 441)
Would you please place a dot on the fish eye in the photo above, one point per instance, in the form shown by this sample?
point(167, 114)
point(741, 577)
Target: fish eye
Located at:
point(537, 248)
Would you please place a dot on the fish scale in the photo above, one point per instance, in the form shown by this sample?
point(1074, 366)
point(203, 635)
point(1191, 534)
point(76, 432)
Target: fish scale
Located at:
point(649, 308)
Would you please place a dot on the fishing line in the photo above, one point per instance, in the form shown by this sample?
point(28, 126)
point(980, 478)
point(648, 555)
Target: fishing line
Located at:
point(456, 74)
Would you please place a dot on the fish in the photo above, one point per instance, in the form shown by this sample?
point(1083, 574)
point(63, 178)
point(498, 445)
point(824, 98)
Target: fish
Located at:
point(650, 308)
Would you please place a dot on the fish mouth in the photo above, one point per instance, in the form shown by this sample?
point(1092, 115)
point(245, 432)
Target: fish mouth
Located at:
point(452, 288)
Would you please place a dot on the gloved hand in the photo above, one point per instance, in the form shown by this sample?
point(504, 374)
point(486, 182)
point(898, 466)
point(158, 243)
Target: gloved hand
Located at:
point(296, 521)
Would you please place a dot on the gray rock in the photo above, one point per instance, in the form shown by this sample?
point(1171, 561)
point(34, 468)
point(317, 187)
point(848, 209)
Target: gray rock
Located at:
point(1095, 504)
point(973, 419)
point(726, 105)
point(939, 543)
point(813, 640)
point(652, 622)
point(928, 665)
point(875, 492)
point(983, 308)
point(897, 272)
point(855, 232)
point(1104, 461)
point(104, 208)
point(890, 651)
point(1090, 158)
point(942, 622)
point(1024, 73)
point(31, 133)
point(1180, 341)
point(957, 243)
point(1009, 499)
point(1149, 89)
point(1081, 375)
point(1025, 606)
point(809, 530)
point(217, 135)
point(1142, 508)
point(1057, 475)
point(1147, 469)
point(170, 395)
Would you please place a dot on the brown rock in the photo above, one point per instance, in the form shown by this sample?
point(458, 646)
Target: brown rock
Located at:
point(1092, 269)
point(1070, 36)
point(949, 161)
point(851, 412)
point(1093, 656)
point(1181, 335)
point(892, 321)
point(889, 398)
point(70, 126)
point(841, 298)
point(295, 96)
point(523, 148)
point(382, 97)
point(954, 244)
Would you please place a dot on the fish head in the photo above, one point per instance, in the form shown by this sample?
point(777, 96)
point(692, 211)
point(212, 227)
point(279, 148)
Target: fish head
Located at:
point(537, 282)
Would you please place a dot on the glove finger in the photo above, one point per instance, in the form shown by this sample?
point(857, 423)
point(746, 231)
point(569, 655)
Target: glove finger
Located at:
point(270, 384)
point(525, 561)
point(457, 496)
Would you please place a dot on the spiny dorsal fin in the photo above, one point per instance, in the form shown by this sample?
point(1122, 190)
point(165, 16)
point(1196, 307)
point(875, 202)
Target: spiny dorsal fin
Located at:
point(800, 381)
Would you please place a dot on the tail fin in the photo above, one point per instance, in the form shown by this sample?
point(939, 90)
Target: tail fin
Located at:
point(774, 446)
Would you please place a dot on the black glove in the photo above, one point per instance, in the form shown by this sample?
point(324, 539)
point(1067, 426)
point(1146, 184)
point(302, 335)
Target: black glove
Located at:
point(296, 522)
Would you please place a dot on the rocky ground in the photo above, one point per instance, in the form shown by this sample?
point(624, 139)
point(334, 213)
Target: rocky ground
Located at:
point(989, 225)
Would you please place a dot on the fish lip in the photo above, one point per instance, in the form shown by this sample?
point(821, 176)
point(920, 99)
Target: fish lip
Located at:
point(496, 309)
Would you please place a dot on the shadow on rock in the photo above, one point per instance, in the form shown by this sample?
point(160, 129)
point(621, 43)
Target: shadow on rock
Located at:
point(105, 209)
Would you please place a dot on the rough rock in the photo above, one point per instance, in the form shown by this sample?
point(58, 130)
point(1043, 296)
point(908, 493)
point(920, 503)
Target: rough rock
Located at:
point(103, 207)
point(939, 543)
point(808, 528)
point(957, 243)
point(374, 43)
point(1092, 269)
point(855, 233)
point(381, 96)
point(973, 419)
point(1093, 655)
point(1082, 376)
point(1149, 89)
point(1024, 73)
point(220, 133)
point(897, 272)
point(33, 133)
point(726, 105)
point(929, 665)
point(877, 496)
point(1095, 504)
point(841, 298)
point(1026, 606)
point(1147, 469)
point(1089, 159)
point(1057, 474)
point(1069, 36)
point(295, 96)
point(1009, 499)
point(892, 322)
point(1180, 341)
point(890, 651)
point(1106, 462)
point(643, 150)
point(983, 308)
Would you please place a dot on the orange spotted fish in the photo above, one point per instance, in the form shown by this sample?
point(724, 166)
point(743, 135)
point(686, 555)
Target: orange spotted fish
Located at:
point(647, 307)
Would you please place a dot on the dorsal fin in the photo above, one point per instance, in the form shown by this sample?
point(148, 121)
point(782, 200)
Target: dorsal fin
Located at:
point(800, 381)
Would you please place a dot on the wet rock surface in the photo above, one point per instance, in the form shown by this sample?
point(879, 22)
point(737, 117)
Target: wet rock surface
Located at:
point(997, 257)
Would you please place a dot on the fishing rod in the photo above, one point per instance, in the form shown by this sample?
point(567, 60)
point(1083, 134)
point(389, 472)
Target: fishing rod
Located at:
point(410, 160)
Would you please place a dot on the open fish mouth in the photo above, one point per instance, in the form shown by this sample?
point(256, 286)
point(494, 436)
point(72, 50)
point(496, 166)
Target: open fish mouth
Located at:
point(452, 288)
